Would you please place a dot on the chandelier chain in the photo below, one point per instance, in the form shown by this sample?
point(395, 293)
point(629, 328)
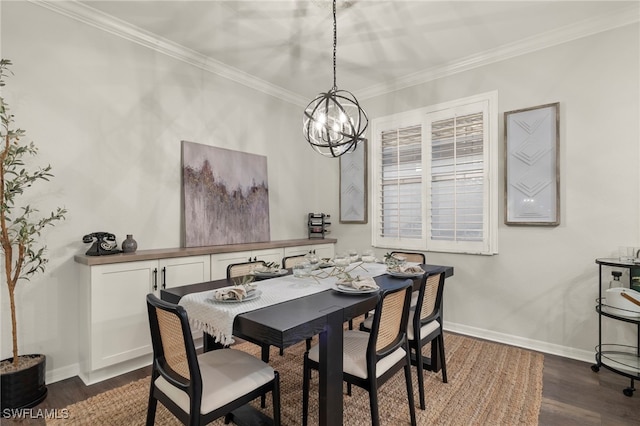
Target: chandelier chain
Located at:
point(335, 43)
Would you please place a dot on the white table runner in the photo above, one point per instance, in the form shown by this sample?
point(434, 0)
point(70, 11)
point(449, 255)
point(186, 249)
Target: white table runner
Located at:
point(216, 318)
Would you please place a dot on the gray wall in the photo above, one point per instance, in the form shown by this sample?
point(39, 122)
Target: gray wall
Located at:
point(109, 115)
point(540, 290)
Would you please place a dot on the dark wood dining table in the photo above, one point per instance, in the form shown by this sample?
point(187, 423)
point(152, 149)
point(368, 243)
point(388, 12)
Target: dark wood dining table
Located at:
point(288, 323)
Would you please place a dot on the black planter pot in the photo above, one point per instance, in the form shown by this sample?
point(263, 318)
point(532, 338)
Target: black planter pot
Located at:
point(24, 388)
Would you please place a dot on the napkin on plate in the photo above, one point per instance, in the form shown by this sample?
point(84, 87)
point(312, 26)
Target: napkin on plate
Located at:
point(404, 269)
point(360, 284)
point(230, 293)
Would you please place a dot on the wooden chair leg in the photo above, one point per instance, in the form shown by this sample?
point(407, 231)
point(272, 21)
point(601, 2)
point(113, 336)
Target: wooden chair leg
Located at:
point(306, 378)
point(275, 398)
point(373, 405)
point(442, 360)
point(265, 358)
point(420, 371)
point(407, 377)
point(153, 402)
point(151, 410)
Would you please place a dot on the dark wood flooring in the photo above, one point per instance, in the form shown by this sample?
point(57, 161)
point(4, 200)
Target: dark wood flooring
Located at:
point(572, 395)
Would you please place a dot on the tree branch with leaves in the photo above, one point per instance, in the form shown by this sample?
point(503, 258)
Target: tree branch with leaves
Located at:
point(19, 229)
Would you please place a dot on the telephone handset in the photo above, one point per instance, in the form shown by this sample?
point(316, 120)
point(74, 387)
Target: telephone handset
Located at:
point(103, 243)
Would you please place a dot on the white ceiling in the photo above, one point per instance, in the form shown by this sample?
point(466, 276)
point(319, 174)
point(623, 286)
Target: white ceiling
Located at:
point(381, 44)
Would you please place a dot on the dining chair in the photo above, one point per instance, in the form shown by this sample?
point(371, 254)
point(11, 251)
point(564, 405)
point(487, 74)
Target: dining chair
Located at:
point(370, 359)
point(424, 326)
point(291, 261)
point(411, 256)
point(237, 270)
point(198, 389)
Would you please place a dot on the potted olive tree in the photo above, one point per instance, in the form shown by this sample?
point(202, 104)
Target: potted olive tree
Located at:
point(22, 376)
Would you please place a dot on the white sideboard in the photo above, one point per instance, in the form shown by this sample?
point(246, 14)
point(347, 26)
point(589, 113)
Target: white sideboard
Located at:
point(220, 261)
point(114, 327)
point(321, 250)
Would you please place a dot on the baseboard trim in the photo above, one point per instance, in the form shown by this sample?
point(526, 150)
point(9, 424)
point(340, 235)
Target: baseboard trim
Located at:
point(62, 373)
point(508, 339)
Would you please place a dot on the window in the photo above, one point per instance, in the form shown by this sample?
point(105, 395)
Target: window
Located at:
point(434, 175)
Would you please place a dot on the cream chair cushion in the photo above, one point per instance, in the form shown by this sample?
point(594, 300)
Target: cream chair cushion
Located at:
point(414, 299)
point(227, 374)
point(354, 358)
point(424, 330)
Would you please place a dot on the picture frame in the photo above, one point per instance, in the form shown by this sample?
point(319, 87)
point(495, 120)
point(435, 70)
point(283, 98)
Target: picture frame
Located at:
point(353, 185)
point(532, 166)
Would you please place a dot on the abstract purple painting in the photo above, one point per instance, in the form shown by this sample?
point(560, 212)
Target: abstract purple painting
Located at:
point(225, 196)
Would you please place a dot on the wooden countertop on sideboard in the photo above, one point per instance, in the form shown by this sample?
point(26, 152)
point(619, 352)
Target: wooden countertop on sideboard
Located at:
point(195, 251)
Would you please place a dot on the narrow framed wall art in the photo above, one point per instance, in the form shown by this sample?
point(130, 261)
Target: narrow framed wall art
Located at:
point(532, 169)
point(353, 185)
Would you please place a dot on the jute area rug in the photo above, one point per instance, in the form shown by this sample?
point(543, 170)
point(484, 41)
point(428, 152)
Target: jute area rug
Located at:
point(488, 384)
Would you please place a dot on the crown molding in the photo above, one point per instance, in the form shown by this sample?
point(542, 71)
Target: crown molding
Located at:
point(110, 24)
point(105, 22)
point(562, 35)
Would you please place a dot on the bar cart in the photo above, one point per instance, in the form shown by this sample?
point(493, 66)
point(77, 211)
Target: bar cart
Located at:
point(620, 359)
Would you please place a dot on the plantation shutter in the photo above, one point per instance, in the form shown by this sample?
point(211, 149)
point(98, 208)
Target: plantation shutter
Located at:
point(435, 174)
point(401, 184)
point(457, 178)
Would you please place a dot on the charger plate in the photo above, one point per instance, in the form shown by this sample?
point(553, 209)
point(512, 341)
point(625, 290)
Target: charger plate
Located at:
point(351, 290)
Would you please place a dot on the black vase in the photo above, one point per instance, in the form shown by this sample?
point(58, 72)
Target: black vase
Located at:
point(24, 388)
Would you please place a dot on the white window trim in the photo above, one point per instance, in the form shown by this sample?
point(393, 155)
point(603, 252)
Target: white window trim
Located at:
point(418, 116)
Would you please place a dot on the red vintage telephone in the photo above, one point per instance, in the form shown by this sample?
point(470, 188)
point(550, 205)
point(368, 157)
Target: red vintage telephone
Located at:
point(104, 243)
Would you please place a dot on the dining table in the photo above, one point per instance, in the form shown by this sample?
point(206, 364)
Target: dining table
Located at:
point(322, 312)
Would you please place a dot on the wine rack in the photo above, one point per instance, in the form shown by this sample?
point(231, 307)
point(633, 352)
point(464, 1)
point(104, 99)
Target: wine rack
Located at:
point(317, 224)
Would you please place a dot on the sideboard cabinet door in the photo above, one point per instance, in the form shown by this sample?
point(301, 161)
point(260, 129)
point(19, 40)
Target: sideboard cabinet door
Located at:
point(323, 251)
point(220, 261)
point(114, 324)
point(119, 325)
point(178, 271)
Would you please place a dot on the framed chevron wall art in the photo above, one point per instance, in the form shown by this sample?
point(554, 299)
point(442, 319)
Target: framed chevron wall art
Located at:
point(353, 185)
point(532, 170)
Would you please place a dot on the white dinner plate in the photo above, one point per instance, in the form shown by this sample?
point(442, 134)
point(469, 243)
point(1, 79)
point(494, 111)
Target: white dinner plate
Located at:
point(350, 290)
point(406, 274)
point(271, 274)
point(253, 294)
